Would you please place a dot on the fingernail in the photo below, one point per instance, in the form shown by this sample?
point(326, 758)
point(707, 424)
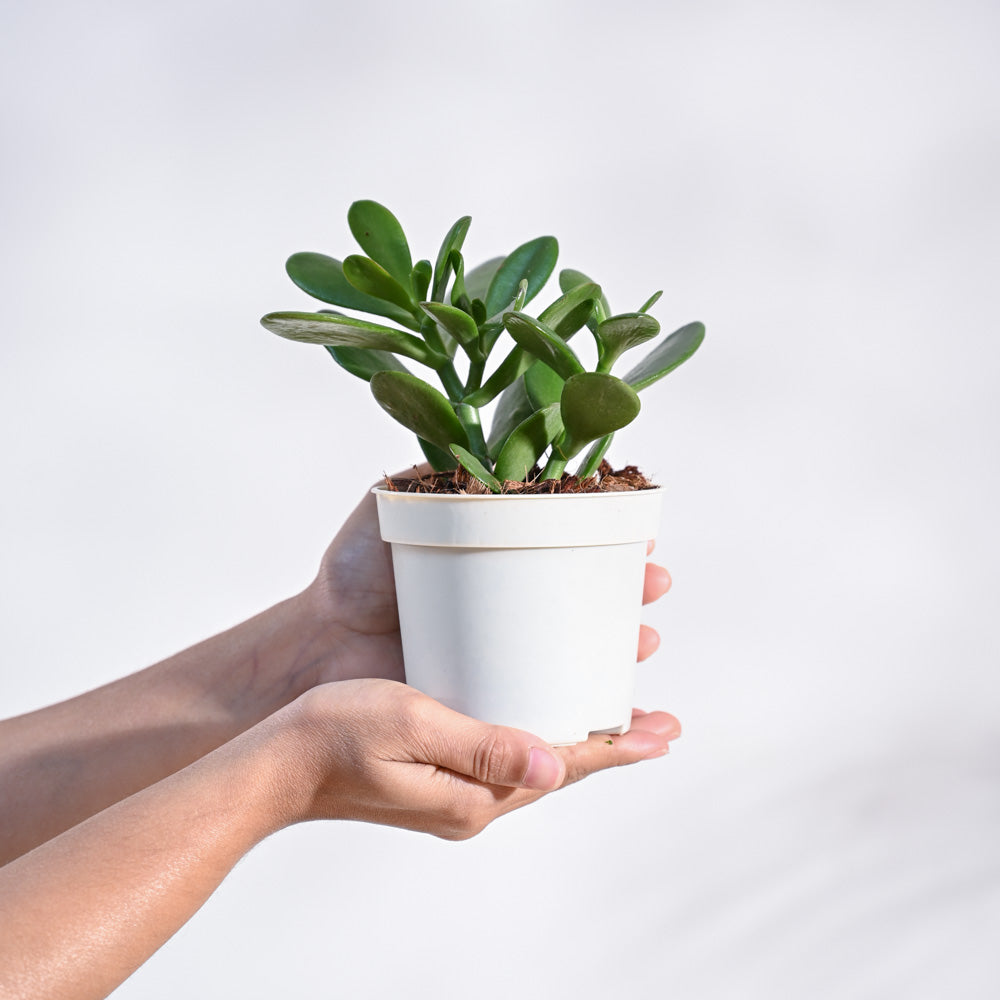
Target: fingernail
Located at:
point(543, 770)
point(662, 752)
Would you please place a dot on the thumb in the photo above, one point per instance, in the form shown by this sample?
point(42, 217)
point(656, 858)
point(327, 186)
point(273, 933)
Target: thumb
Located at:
point(497, 755)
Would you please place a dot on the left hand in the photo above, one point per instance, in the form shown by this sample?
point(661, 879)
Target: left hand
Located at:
point(355, 592)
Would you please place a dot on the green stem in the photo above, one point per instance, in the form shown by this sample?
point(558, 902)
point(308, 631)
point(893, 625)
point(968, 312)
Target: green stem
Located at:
point(469, 416)
point(451, 381)
point(563, 449)
point(554, 467)
point(475, 379)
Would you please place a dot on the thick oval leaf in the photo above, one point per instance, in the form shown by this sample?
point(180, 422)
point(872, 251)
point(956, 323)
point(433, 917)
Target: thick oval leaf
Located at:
point(533, 261)
point(526, 443)
point(514, 365)
point(667, 356)
point(441, 461)
point(438, 340)
point(513, 408)
point(474, 467)
point(568, 279)
point(543, 343)
point(365, 363)
point(593, 405)
point(651, 301)
point(620, 333)
point(372, 279)
point(381, 236)
point(477, 281)
point(459, 297)
point(543, 386)
point(420, 407)
point(323, 278)
point(454, 322)
point(442, 267)
point(420, 280)
point(345, 331)
point(568, 307)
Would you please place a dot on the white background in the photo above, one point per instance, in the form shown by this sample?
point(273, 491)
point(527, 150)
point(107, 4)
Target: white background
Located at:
point(819, 183)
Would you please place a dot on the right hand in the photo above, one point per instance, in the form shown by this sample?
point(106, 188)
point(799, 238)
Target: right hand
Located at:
point(382, 752)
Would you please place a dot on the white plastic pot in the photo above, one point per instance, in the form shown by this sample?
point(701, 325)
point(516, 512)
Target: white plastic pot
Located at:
point(523, 610)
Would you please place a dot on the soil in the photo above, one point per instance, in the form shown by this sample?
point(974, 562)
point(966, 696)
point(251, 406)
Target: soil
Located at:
point(605, 480)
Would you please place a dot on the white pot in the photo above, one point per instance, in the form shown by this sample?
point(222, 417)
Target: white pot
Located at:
point(523, 610)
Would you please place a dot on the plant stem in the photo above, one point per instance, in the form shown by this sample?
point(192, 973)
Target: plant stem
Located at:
point(469, 416)
point(554, 467)
point(475, 379)
point(451, 381)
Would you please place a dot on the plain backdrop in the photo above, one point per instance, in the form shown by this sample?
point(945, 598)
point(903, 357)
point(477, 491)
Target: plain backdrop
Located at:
point(819, 183)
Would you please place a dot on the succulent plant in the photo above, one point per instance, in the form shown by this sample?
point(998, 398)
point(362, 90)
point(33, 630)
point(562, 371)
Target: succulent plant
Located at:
point(549, 407)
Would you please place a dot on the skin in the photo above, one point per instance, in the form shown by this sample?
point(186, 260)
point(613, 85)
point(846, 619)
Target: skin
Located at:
point(124, 808)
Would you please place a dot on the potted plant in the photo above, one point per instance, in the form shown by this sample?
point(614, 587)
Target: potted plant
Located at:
point(518, 583)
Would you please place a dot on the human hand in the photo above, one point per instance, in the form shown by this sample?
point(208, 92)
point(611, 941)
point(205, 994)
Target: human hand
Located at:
point(356, 593)
point(381, 752)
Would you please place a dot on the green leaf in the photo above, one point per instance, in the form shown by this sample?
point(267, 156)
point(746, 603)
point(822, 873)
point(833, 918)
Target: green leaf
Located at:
point(475, 468)
point(513, 408)
point(477, 281)
point(534, 261)
point(568, 278)
point(569, 314)
point(651, 301)
point(543, 386)
point(372, 279)
point(459, 296)
point(592, 461)
point(365, 363)
point(345, 331)
point(516, 363)
point(621, 333)
point(437, 340)
point(543, 343)
point(571, 310)
point(441, 461)
point(526, 443)
point(593, 405)
point(420, 279)
point(667, 355)
point(454, 322)
point(323, 278)
point(442, 267)
point(420, 407)
point(381, 236)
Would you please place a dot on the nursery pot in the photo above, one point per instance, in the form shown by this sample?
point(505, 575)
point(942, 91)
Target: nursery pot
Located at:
point(523, 610)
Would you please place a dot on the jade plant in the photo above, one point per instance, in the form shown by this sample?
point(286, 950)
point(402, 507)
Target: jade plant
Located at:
point(450, 321)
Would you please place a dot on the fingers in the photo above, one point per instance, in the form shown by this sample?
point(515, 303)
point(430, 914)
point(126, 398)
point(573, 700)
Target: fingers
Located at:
point(648, 738)
point(492, 755)
point(649, 642)
point(662, 723)
point(655, 584)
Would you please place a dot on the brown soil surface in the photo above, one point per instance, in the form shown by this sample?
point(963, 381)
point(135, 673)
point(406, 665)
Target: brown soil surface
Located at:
point(606, 480)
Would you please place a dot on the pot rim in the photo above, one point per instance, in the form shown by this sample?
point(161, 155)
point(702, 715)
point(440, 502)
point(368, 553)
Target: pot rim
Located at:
point(462, 497)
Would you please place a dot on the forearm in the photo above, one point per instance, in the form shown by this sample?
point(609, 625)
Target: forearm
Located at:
point(81, 912)
point(64, 763)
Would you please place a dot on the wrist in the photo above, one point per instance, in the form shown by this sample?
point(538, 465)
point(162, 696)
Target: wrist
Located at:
point(285, 750)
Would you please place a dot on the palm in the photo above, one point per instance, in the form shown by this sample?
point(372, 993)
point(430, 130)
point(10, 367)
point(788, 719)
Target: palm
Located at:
point(356, 577)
